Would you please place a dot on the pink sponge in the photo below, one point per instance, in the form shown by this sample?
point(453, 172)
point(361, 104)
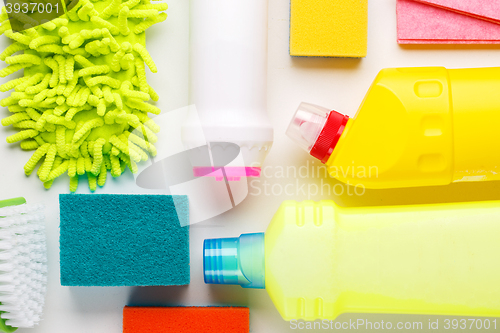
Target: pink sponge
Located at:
point(482, 9)
point(445, 22)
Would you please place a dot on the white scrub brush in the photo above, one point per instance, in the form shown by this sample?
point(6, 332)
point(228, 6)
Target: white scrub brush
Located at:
point(23, 264)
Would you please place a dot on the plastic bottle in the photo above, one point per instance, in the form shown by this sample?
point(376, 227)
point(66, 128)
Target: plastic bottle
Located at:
point(415, 127)
point(229, 82)
point(318, 260)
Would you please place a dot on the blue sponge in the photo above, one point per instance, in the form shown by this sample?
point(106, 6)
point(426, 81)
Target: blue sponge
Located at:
point(124, 240)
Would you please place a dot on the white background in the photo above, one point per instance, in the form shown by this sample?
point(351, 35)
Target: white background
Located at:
point(339, 84)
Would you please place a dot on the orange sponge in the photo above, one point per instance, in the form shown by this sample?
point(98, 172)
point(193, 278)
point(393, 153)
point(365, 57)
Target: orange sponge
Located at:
point(186, 319)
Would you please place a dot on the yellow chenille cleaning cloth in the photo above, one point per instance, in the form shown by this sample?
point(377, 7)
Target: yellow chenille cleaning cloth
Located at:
point(328, 28)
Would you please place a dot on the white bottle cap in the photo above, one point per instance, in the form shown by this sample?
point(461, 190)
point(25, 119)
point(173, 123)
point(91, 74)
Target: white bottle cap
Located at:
point(307, 124)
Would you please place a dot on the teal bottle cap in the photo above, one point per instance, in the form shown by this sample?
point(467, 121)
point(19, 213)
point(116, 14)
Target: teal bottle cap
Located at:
point(235, 261)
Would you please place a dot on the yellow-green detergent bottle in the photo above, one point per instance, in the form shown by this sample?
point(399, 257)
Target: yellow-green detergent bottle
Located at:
point(318, 260)
point(415, 127)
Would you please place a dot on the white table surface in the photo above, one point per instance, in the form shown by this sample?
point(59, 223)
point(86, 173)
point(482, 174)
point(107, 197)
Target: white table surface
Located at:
point(339, 84)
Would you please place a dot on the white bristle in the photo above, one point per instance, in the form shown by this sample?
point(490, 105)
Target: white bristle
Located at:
point(6, 267)
point(23, 268)
point(6, 279)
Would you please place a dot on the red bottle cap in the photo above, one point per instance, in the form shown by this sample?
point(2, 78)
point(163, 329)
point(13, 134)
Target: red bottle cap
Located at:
point(317, 129)
point(329, 136)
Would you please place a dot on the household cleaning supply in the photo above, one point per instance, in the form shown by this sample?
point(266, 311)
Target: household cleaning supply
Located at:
point(190, 319)
point(329, 28)
point(416, 127)
point(124, 240)
point(229, 86)
point(448, 22)
point(82, 104)
point(318, 260)
point(23, 264)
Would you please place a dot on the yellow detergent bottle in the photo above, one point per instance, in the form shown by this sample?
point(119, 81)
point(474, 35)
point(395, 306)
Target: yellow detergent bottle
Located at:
point(415, 127)
point(318, 260)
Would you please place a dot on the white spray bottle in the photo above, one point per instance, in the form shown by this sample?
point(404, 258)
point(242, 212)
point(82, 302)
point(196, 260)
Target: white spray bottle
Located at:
point(228, 85)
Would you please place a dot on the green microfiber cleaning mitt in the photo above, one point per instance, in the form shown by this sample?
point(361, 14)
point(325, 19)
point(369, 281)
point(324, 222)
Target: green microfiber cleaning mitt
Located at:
point(82, 104)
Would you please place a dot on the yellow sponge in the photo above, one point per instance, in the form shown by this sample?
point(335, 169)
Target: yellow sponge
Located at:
point(328, 28)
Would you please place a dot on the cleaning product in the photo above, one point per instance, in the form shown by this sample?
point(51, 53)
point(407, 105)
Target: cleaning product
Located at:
point(415, 127)
point(82, 103)
point(186, 319)
point(228, 86)
point(23, 264)
point(329, 28)
point(318, 260)
point(124, 240)
point(480, 9)
point(448, 22)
